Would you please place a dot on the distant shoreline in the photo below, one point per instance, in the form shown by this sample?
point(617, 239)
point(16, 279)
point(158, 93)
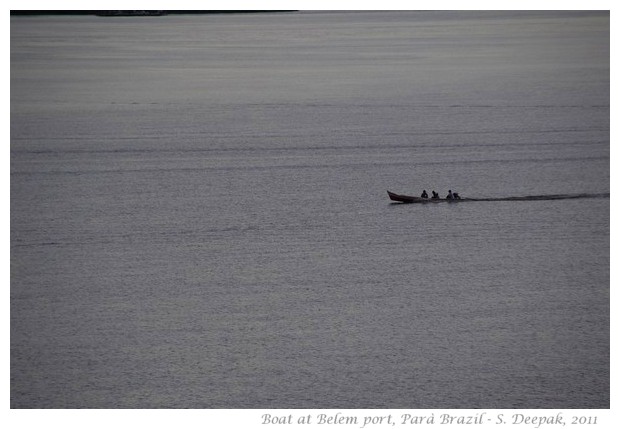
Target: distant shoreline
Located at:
point(119, 13)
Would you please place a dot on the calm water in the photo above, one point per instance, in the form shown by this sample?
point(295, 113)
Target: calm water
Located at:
point(199, 214)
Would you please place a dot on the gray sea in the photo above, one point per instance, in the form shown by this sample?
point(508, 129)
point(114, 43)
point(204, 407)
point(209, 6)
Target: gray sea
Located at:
point(199, 216)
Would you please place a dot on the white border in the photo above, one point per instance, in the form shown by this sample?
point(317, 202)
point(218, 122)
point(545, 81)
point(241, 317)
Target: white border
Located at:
point(252, 418)
point(316, 5)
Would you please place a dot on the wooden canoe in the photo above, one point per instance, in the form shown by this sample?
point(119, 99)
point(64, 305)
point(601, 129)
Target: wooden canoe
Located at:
point(409, 199)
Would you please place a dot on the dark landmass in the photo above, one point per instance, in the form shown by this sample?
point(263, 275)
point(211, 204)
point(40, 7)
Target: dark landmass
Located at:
point(137, 12)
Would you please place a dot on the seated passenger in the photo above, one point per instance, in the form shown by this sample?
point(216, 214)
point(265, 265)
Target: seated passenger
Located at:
point(456, 196)
point(424, 194)
point(449, 196)
point(435, 194)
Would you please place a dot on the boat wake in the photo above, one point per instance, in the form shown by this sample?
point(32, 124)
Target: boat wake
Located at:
point(543, 197)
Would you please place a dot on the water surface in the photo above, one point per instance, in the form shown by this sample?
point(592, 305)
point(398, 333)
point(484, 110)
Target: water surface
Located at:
point(199, 216)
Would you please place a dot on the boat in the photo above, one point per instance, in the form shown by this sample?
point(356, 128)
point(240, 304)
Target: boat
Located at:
point(409, 199)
